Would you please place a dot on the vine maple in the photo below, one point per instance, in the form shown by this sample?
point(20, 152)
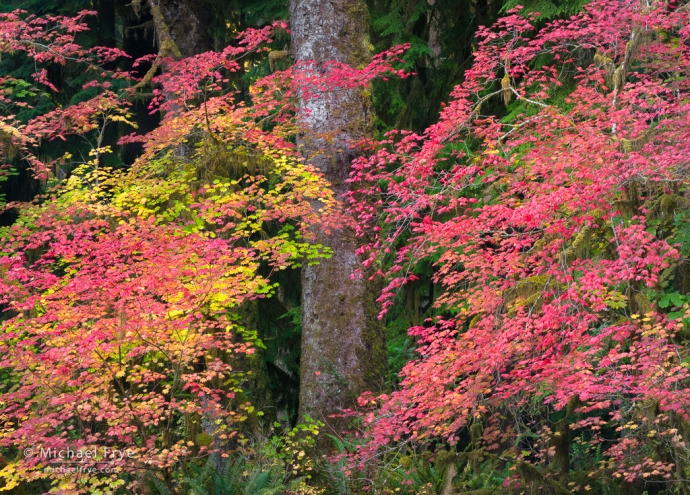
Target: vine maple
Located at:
point(554, 232)
point(122, 288)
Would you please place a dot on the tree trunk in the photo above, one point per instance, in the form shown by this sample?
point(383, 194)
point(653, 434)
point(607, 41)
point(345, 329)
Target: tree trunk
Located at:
point(343, 347)
point(434, 33)
point(189, 22)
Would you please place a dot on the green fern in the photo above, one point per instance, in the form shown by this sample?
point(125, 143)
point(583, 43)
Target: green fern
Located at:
point(238, 475)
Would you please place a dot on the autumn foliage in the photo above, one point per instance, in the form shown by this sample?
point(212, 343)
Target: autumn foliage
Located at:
point(123, 290)
point(550, 200)
point(554, 232)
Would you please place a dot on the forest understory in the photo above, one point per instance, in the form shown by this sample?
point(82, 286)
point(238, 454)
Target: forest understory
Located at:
point(345, 247)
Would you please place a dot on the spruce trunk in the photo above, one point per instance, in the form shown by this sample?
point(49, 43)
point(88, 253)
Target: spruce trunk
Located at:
point(343, 347)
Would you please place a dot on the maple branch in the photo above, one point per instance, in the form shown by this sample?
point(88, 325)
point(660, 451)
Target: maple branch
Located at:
point(518, 127)
point(523, 98)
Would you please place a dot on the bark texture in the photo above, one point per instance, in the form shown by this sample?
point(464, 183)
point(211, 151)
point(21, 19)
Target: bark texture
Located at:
point(341, 335)
point(188, 22)
point(434, 33)
point(182, 30)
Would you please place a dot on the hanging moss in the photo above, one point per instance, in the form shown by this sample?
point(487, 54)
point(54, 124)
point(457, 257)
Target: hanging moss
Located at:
point(476, 432)
point(528, 293)
point(579, 245)
point(505, 85)
point(607, 64)
point(275, 57)
point(640, 304)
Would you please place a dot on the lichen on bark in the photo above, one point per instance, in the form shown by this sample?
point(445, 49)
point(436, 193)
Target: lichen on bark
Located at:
point(342, 338)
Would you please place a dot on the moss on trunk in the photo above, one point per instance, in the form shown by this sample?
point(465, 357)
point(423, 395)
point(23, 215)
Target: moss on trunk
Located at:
point(343, 347)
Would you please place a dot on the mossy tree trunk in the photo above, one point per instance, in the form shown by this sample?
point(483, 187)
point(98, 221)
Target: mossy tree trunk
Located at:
point(188, 22)
point(342, 339)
